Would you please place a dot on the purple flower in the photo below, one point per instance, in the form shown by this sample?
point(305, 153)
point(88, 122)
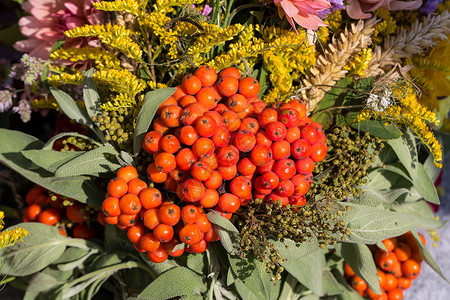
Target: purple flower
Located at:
point(430, 6)
point(24, 110)
point(335, 5)
point(206, 10)
point(5, 100)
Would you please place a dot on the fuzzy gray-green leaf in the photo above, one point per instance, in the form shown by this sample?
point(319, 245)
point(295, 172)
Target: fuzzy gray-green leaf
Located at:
point(152, 101)
point(90, 163)
point(175, 282)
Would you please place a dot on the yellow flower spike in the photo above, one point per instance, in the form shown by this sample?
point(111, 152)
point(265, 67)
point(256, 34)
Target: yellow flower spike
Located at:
point(44, 103)
point(103, 59)
point(334, 21)
point(408, 111)
point(130, 6)
point(10, 237)
point(116, 36)
point(359, 64)
point(120, 81)
point(2, 223)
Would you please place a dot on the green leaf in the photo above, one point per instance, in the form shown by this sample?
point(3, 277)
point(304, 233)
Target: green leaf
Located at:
point(58, 44)
point(244, 291)
point(339, 91)
point(425, 186)
point(90, 94)
point(215, 218)
point(365, 84)
point(360, 260)
point(331, 98)
point(252, 273)
point(197, 262)
point(228, 239)
point(406, 150)
point(74, 112)
point(226, 231)
point(70, 255)
point(41, 247)
point(41, 282)
point(152, 101)
point(52, 140)
point(371, 197)
point(431, 169)
point(90, 163)
point(289, 286)
point(80, 188)
point(310, 271)
point(422, 213)
point(382, 179)
point(289, 251)
point(427, 255)
point(368, 225)
point(378, 128)
point(125, 159)
point(70, 108)
point(50, 160)
point(175, 282)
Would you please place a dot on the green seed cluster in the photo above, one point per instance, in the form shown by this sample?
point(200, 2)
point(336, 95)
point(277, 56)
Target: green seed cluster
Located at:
point(116, 126)
point(77, 144)
point(259, 222)
point(350, 156)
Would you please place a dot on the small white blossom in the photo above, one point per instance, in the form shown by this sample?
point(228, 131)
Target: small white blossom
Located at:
point(379, 102)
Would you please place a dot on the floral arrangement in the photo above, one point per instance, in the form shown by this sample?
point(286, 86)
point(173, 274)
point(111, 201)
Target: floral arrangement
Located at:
point(281, 149)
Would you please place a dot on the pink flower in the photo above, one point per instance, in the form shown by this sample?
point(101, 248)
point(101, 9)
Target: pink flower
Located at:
point(47, 21)
point(359, 9)
point(303, 12)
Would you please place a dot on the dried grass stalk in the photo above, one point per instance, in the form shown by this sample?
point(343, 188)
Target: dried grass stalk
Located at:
point(329, 67)
point(414, 40)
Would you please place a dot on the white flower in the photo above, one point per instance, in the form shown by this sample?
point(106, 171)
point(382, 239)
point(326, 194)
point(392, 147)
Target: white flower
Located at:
point(379, 102)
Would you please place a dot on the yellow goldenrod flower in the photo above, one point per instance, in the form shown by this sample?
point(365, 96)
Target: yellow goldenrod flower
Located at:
point(431, 73)
point(116, 36)
point(103, 59)
point(10, 237)
point(359, 64)
point(131, 6)
point(404, 109)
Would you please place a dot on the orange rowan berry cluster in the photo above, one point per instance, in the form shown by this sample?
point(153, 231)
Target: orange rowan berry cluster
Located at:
point(215, 145)
point(154, 225)
point(215, 128)
point(396, 268)
point(70, 216)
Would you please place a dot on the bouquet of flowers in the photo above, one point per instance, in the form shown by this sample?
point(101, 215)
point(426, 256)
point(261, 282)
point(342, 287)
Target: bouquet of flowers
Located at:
point(218, 149)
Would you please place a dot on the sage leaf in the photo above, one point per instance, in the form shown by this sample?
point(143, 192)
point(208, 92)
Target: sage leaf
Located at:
point(90, 94)
point(215, 218)
point(152, 101)
point(90, 163)
point(310, 271)
point(427, 255)
point(252, 273)
point(422, 213)
point(176, 282)
point(425, 186)
point(360, 259)
point(370, 225)
point(70, 108)
point(379, 129)
point(52, 140)
point(50, 160)
point(80, 188)
point(406, 150)
point(41, 247)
